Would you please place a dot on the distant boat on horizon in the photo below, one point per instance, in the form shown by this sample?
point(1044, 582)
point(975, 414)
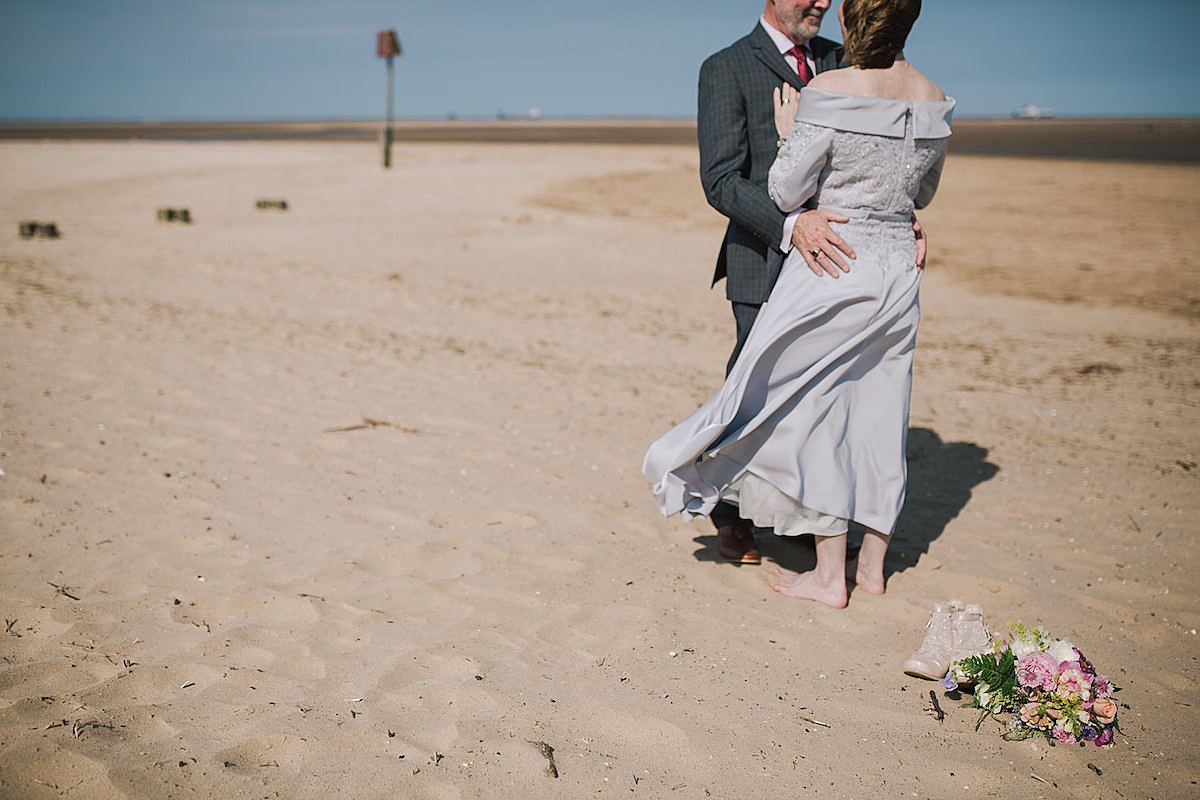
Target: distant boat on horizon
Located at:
point(1030, 111)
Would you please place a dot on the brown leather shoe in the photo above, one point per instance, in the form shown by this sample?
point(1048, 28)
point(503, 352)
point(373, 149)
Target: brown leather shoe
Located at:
point(735, 544)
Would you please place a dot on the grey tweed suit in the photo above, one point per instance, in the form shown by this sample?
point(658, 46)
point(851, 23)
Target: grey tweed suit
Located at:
point(736, 130)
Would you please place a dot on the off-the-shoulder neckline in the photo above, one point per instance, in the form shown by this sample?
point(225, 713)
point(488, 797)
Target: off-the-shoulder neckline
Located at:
point(882, 116)
point(948, 99)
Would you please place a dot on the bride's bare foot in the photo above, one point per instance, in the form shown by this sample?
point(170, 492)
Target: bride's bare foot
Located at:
point(809, 586)
point(868, 580)
point(868, 568)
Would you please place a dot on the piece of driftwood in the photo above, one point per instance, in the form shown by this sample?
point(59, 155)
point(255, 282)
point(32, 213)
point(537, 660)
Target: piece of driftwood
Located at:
point(65, 591)
point(371, 423)
point(547, 751)
point(936, 707)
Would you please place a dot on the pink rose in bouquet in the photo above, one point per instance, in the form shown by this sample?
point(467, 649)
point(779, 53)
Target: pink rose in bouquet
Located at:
point(1104, 710)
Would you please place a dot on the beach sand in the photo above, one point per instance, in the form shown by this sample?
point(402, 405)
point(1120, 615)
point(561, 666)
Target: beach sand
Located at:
point(345, 501)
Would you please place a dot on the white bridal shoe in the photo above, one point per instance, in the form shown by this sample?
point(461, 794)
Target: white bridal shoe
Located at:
point(971, 636)
point(954, 631)
point(932, 658)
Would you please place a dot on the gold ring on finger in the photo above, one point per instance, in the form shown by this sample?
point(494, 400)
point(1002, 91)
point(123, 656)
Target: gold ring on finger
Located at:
point(815, 253)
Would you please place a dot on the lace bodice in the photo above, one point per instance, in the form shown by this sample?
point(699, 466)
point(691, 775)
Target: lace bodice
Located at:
point(861, 153)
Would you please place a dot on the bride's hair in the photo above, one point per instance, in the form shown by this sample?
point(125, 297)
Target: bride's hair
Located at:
point(877, 29)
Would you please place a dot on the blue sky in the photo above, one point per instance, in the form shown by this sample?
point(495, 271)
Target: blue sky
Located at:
point(299, 59)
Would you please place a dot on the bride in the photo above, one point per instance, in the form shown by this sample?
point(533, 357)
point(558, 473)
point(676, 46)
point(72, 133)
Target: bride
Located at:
point(808, 431)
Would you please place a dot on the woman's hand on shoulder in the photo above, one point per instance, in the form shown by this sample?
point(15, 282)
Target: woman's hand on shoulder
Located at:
point(785, 98)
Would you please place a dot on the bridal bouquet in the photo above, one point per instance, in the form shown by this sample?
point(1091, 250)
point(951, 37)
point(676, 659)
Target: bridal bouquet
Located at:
point(1046, 685)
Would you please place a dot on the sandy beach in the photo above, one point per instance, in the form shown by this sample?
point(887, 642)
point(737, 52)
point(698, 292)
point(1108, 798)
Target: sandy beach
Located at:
point(346, 501)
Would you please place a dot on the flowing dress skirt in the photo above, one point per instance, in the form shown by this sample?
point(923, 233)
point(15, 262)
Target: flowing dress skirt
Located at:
point(809, 428)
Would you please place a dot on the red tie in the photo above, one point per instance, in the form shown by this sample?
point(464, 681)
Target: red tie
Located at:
point(801, 64)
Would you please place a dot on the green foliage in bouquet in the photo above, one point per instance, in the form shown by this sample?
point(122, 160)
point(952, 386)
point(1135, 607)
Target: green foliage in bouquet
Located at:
point(995, 679)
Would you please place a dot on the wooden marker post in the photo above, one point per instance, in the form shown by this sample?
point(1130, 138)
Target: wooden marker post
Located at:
point(387, 46)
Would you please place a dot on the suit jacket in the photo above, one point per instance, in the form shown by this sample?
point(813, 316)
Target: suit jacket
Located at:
point(736, 130)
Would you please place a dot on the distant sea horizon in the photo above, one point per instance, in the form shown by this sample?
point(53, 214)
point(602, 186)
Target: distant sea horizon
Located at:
point(1174, 139)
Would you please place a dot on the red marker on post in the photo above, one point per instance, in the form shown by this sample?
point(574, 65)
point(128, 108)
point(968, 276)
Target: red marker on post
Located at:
point(387, 45)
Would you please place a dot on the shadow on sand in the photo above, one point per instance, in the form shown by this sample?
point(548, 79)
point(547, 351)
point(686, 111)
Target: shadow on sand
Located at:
point(941, 476)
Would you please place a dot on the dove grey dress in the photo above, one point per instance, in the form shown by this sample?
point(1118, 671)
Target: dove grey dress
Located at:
point(809, 429)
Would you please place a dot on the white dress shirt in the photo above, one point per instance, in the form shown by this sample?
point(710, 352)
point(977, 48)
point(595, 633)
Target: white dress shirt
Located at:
point(785, 44)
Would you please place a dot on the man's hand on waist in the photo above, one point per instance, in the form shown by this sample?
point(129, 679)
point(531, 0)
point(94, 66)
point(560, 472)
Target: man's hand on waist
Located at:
point(823, 250)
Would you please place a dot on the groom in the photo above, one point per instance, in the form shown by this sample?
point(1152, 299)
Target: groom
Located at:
point(738, 143)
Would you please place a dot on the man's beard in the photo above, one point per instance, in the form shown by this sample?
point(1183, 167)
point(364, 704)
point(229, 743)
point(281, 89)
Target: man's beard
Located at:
point(801, 26)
